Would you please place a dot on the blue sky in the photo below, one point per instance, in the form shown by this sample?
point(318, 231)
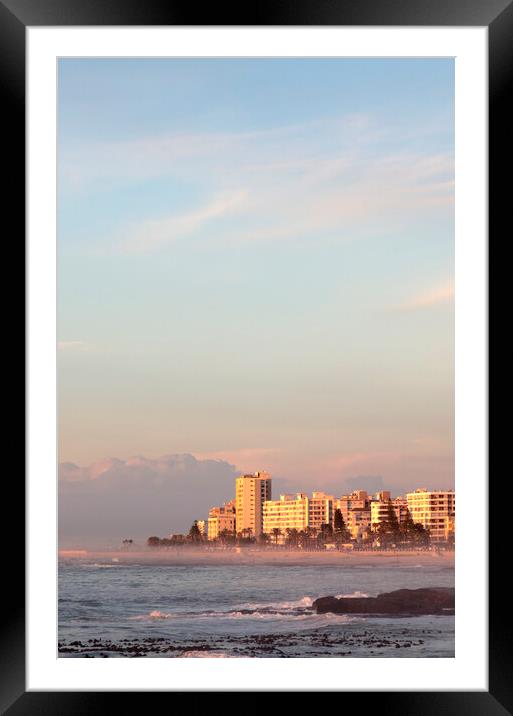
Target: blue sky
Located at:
point(256, 264)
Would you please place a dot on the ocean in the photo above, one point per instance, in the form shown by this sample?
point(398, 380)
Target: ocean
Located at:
point(131, 608)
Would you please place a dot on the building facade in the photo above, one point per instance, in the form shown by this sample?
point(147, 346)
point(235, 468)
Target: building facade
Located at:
point(221, 519)
point(434, 510)
point(357, 500)
point(251, 491)
point(358, 521)
point(321, 510)
point(379, 509)
point(289, 512)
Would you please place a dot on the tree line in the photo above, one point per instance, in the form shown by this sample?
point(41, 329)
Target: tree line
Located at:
point(389, 531)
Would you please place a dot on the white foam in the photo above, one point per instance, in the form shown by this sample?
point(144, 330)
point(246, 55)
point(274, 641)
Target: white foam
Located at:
point(302, 603)
point(307, 619)
point(209, 655)
point(155, 614)
point(352, 595)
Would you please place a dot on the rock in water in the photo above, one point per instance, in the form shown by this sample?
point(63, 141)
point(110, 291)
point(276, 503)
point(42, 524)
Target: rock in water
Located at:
point(402, 602)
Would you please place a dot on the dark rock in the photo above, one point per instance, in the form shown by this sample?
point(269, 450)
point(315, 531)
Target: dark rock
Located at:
point(403, 602)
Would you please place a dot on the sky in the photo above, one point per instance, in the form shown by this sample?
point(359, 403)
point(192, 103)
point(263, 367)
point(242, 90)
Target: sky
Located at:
point(256, 271)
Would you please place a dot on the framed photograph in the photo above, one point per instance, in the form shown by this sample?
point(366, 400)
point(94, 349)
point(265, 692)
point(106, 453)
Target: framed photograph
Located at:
point(257, 287)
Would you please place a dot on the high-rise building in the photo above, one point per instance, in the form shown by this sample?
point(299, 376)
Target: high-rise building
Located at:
point(434, 510)
point(251, 491)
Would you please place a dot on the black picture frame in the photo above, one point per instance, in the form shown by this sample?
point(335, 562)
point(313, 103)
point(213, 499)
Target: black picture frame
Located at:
point(15, 17)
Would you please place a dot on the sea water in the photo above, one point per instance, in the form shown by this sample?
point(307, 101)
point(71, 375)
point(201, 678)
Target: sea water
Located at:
point(125, 609)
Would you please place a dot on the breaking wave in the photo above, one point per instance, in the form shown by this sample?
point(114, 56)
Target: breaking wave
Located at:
point(292, 612)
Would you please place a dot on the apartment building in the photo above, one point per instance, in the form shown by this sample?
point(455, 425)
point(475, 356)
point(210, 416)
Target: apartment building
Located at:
point(321, 510)
point(289, 512)
point(358, 521)
point(435, 510)
point(357, 500)
point(221, 519)
point(379, 508)
point(251, 491)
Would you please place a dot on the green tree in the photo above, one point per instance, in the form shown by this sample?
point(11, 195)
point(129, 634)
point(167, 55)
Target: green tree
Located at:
point(226, 537)
point(194, 533)
point(292, 536)
point(422, 537)
point(341, 532)
point(388, 528)
point(368, 536)
point(414, 532)
point(302, 538)
point(153, 541)
point(264, 538)
point(276, 532)
point(324, 535)
point(327, 531)
point(246, 535)
point(408, 527)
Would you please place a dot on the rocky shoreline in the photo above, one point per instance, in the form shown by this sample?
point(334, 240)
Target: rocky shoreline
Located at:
point(402, 602)
point(357, 643)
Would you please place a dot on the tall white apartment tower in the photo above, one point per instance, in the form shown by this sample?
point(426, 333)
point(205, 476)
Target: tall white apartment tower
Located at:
point(251, 491)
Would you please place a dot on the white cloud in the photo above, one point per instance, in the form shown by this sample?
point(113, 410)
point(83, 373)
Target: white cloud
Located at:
point(153, 233)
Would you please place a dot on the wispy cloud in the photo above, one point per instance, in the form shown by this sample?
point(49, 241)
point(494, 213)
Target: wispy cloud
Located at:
point(152, 233)
point(316, 196)
point(329, 176)
point(435, 296)
point(183, 154)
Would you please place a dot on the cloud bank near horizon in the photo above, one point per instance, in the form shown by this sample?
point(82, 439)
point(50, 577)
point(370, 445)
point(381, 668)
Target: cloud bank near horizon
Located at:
point(116, 499)
point(113, 499)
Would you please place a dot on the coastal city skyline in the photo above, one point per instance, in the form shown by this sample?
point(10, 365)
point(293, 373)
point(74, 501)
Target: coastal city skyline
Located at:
point(255, 513)
point(255, 358)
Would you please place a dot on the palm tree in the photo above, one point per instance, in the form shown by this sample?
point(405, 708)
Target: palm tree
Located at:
point(276, 534)
point(246, 533)
point(292, 536)
point(309, 535)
